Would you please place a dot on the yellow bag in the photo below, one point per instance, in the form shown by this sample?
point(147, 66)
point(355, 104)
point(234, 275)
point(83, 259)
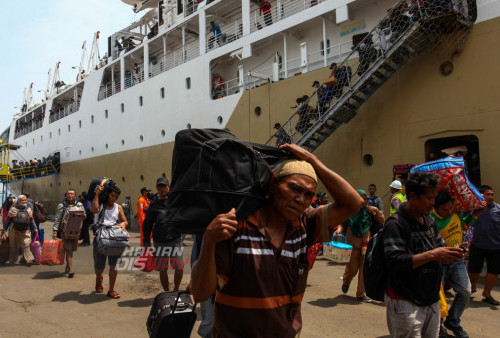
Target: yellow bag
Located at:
point(443, 304)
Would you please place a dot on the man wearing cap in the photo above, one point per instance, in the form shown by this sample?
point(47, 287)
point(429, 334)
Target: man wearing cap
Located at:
point(167, 240)
point(258, 265)
point(357, 229)
point(397, 198)
point(142, 206)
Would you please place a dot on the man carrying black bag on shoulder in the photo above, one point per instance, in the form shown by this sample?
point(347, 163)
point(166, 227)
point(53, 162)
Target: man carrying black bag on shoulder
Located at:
point(167, 240)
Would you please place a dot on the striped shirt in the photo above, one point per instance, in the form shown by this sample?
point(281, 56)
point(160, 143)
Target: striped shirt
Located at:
point(260, 286)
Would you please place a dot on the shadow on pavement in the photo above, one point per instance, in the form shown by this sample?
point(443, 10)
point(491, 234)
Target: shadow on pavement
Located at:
point(340, 299)
point(478, 303)
point(90, 298)
point(48, 275)
point(139, 302)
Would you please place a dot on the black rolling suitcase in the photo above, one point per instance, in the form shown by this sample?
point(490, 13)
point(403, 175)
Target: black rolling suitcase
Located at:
point(172, 315)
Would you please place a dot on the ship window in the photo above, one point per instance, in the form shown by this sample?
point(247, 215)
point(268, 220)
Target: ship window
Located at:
point(188, 83)
point(322, 47)
point(123, 142)
point(188, 126)
point(467, 145)
point(123, 108)
point(80, 123)
point(106, 113)
point(50, 135)
point(163, 132)
point(69, 128)
point(92, 118)
point(33, 141)
point(258, 111)
point(368, 159)
point(26, 144)
point(164, 175)
point(162, 92)
point(80, 182)
point(92, 149)
point(41, 138)
point(79, 152)
point(123, 178)
point(107, 146)
point(141, 138)
point(219, 119)
point(59, 131)
point(141, 177)
point(140, 101)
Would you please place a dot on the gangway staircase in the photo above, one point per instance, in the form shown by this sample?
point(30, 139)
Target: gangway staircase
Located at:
point(406, 31)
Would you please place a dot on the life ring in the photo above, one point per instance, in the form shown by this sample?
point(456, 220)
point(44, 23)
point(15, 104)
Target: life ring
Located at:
point(217, 82)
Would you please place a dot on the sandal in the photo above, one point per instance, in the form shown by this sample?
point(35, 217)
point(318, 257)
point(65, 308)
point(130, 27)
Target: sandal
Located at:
point(71, 274)
point(491, 300)
point(113, 294)
point(98, 285)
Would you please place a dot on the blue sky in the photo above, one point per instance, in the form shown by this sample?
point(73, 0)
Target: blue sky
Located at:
point(38, 34)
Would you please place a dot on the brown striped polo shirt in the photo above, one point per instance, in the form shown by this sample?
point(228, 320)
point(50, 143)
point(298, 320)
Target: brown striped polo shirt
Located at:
point(261, 286)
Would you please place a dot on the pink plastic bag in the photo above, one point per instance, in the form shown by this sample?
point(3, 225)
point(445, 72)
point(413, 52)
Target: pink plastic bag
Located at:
point(36, 248)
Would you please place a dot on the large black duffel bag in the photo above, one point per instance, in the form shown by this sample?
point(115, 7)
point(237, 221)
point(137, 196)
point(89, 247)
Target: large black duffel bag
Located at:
point(212, 172)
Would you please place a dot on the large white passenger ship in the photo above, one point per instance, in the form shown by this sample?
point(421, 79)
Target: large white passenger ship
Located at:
point(430, 83)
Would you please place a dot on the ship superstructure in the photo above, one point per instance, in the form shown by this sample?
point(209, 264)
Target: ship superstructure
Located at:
point(200, 64)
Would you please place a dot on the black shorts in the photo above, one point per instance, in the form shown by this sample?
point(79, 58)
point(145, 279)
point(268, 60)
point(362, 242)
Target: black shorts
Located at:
point(477, 257)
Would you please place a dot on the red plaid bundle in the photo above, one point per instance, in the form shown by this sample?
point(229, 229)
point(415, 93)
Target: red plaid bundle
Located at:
point(52, 253)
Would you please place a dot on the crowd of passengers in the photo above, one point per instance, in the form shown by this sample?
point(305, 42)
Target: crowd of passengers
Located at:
point(34, 167)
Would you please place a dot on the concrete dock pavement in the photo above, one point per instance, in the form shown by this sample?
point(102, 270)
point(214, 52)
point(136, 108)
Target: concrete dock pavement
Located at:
point(40, 300)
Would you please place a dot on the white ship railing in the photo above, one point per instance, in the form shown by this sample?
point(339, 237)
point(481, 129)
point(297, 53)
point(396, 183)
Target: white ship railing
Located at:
point(230, 32)
point(133, 78)
point(227, 88)
point(28, 127)
point(64, 111)
point(279, 11)
point(108, 90)
point(174, 58)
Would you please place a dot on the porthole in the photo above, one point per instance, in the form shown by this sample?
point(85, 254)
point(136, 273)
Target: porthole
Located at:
point(140, 101)
point(162, 132)
point(123, 142)
point(26, 144)
point(80, 182)
point(92, 118)
point(106, 113)
point(69, 183)
point(123, 178)
point(92, 149)
point(123, 108)
point(41, 138)
point(219, 119)
point(33, 141)
point(79, 152)
point(141, 177)
point(188, 126)
point(50, 135)
point(59, 183)
point(257, 111)
point(188, 83)
point(51, 185)
point(163, 175)
point(446, 68)
point(368, 159)
point(162, 92)
point(80, 123)
point(69, 128)
point(59, 131)
point(107, 146)
point(141, 138)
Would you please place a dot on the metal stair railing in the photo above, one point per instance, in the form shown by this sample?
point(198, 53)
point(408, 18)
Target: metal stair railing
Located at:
point(403, 33)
